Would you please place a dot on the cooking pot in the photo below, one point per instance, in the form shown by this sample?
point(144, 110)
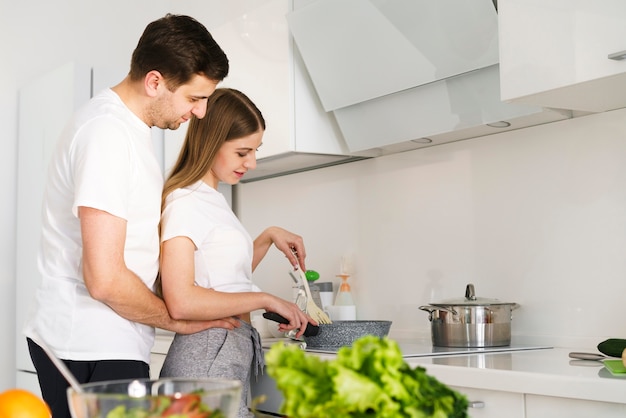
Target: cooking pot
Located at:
point(338, 333)
point(470, 321)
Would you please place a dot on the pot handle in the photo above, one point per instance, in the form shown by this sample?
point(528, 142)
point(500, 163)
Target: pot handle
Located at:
point(430, 309)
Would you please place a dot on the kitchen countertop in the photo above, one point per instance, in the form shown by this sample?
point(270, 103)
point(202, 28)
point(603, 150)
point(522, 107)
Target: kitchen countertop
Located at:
point(546, 372)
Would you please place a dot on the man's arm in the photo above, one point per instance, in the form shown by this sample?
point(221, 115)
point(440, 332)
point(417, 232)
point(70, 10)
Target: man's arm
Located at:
point(109, 280)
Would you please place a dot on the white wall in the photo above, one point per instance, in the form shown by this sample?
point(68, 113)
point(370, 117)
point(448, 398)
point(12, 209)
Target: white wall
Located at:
point(534, 216)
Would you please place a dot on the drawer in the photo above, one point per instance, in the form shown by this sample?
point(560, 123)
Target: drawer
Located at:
point(493, 404)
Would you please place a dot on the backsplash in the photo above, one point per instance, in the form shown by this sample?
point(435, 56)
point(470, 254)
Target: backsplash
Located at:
point(535, 216)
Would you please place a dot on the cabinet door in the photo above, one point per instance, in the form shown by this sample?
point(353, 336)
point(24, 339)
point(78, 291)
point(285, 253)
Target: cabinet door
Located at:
point(359, 50)
point(550, 407)
point(556, 53)
point(257, 45)
point(52, 98)
point(493, 404)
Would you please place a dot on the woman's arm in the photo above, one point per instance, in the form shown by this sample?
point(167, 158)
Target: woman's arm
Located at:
point(285, 241)
point(109, 280)
point(185, 300)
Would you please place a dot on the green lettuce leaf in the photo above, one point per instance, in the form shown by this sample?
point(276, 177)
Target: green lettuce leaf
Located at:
point(369, 379)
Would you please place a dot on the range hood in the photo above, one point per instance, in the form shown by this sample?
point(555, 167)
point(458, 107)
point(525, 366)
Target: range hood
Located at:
point(318, 142)
point(295, 162)
point(460, 107)
point(404, 74)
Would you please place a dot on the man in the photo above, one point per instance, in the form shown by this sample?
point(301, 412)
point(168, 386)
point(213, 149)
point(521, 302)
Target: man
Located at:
point(99, 255)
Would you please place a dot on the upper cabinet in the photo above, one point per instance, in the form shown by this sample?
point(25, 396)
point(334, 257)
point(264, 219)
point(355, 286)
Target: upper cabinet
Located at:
point(357, 50)
point(566, 54)
point(404, 74)
point(265, 65)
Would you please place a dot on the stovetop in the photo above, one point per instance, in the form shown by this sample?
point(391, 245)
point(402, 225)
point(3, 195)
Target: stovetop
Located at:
point(428, 350)
point(424, 348)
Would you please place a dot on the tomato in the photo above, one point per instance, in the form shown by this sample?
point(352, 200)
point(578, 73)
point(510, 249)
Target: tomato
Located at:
point(183, 404)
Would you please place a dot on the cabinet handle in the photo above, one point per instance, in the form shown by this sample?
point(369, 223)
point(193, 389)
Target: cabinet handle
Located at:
point(618, 56)
point(476, 404)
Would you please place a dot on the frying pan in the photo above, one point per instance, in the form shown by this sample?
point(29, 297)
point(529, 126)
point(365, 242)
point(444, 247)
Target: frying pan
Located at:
point(338, 333)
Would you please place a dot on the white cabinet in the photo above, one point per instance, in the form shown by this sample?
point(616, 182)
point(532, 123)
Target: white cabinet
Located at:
point(493, 404)
point(162, 342)
point(357, 50)
point(28, 381)
point(265, 66)
point(53, 97)
point(400, 75)
point(496, 404)
point(550, 407)
point(556, 53)
point(257, 45)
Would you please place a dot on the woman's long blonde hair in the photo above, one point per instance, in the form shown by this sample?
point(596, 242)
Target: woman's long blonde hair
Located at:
point(230, 115)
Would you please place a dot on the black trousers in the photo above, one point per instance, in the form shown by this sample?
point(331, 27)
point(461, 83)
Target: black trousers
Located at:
point(54, 386)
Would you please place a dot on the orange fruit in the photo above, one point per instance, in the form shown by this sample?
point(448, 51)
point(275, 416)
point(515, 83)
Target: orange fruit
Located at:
point(20, 403)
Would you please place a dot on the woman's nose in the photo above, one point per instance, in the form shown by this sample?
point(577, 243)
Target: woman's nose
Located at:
point(250, 163)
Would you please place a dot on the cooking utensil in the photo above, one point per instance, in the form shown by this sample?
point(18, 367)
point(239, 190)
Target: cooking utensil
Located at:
point(301, 299)
point(471, 321)
point(312, 309)
point(587, 356)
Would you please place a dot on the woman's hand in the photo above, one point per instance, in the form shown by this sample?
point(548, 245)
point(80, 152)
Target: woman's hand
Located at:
point(286, 242)
point(290, 311)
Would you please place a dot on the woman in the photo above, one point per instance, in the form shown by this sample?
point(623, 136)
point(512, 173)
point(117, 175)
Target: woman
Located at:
point(207, 257)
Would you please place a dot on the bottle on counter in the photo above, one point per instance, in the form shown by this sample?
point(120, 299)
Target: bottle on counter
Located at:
point(344, 308)
point(344, 294)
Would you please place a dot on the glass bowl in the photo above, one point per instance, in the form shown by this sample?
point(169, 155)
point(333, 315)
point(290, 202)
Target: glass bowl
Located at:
point(145, 398)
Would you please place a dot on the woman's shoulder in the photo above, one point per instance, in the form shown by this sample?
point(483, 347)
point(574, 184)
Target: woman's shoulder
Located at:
point(198, 195)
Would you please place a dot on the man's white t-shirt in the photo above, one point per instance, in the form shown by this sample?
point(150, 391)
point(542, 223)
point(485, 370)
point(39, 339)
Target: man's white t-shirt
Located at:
point(223, 257)
point(104, 160)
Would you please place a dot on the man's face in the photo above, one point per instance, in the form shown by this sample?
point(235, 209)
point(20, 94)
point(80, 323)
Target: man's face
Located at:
point(171, 109)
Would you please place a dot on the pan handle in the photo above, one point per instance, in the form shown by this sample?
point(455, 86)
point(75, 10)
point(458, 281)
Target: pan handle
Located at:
point(310, 331)
point(430, 309)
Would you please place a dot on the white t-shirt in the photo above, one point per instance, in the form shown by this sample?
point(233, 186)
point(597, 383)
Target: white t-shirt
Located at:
point(223, 257)
point(104, 160)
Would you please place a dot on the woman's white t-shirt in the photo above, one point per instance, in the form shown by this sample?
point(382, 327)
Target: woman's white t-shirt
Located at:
point(104, 160)
point(223, 257)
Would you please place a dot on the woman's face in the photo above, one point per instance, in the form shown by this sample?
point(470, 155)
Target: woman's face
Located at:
point(234, 159)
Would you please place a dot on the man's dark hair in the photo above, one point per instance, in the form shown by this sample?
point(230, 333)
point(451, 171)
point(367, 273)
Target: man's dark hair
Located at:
point(178, 47)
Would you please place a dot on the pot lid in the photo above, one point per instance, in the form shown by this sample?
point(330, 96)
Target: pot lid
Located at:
point(470, 299)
